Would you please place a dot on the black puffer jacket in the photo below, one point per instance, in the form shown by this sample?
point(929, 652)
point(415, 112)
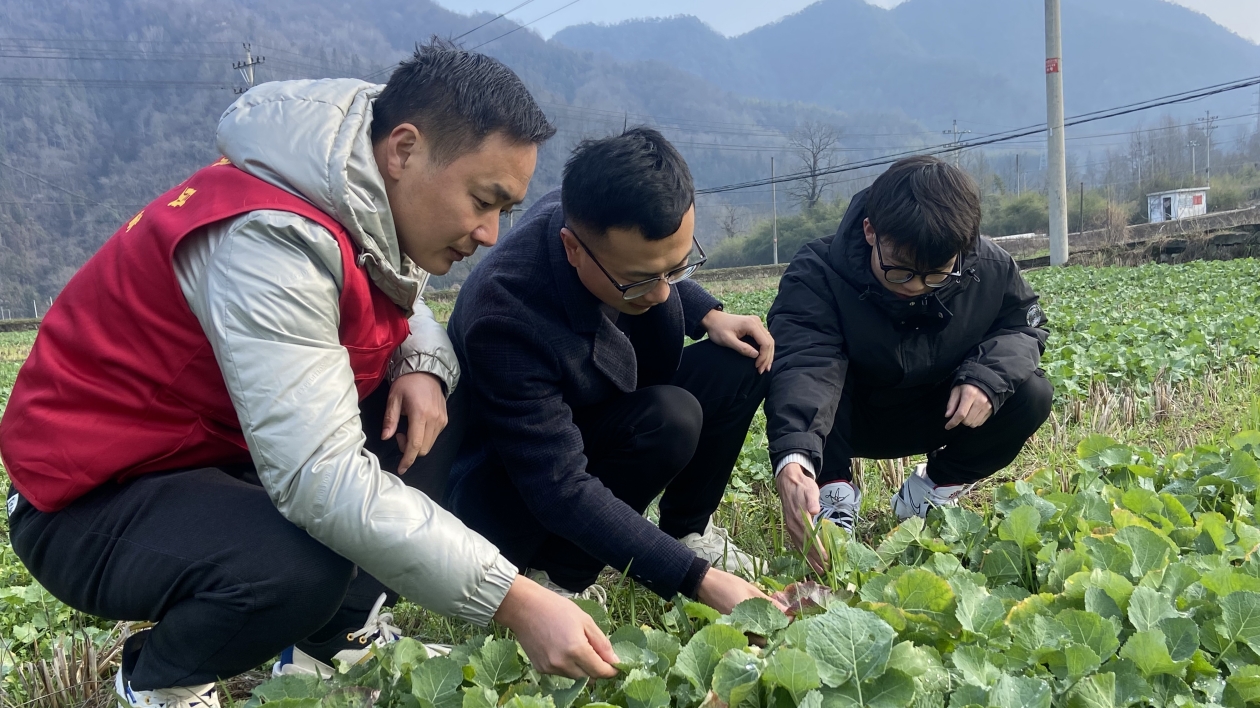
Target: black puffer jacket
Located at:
point(833, 321)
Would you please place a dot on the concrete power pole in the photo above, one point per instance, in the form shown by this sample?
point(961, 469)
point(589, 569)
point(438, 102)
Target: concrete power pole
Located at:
point(1194, 159)
point(247, 69)
point(1056, 177)
point(1207, 122)
point(774, 200)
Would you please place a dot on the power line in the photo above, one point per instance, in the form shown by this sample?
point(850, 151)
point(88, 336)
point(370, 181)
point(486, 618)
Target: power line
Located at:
point(496, 18)
point(57, 187)
point(527, 24)
point(1182, 97)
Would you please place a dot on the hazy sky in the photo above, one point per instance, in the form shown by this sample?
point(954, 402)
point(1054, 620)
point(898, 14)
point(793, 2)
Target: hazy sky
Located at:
point(732, 17)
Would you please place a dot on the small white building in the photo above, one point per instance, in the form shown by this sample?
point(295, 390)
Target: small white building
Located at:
point(1176, 204)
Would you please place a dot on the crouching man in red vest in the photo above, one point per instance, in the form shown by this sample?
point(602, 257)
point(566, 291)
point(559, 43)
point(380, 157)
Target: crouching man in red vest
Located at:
point(186, 443)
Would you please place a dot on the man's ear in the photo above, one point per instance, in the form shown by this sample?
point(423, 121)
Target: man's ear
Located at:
point(869, 231)
point(571, 246)
point(404, 146)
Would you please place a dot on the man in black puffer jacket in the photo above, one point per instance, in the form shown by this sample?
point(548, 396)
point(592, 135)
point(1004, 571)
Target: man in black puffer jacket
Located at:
point(904, 333)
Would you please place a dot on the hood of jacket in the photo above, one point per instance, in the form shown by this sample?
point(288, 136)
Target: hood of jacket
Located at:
point(313, 138)
point(849, 255)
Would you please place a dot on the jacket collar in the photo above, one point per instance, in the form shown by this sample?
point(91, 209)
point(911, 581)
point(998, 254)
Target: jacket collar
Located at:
point(611, 351)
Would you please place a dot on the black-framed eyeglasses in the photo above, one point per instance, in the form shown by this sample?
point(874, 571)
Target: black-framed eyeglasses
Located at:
point(638, 289)
point(933, 278)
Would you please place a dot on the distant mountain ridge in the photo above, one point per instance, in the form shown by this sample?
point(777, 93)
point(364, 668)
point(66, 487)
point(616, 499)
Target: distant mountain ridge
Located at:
point(980, 61)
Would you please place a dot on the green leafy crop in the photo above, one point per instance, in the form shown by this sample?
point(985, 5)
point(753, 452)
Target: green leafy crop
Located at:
point(1133, 582)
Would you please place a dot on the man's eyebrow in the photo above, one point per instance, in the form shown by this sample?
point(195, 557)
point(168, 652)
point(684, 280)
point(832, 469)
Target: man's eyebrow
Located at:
point(643, 276)
point(501, 194)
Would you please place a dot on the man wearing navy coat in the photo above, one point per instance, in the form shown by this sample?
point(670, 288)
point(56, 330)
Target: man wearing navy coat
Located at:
point(585, 405)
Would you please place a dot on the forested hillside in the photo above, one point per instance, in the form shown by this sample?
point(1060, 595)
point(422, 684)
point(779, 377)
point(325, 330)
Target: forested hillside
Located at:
point(978, 61)
point(105, 105)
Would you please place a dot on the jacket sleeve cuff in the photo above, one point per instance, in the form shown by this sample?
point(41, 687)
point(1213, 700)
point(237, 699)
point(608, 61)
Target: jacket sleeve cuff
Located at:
point(968, 376)
point(800, 459)
point(806, 444)
point(695, 575)
point(696, 303)
point(484, 602)
point(415, 362)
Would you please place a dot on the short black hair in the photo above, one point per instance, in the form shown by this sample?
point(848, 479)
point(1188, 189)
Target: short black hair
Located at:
point(636, 179)
point(927, 209)
point(456, 99)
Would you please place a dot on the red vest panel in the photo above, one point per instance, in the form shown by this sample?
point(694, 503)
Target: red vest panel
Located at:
point(122, 380)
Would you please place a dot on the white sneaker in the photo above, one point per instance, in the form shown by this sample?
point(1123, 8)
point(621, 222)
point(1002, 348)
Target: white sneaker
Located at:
point(377, 631)
point(595, 593)
point(918, 494)
point(715, 545)
point(840, 502)
point(203, 696)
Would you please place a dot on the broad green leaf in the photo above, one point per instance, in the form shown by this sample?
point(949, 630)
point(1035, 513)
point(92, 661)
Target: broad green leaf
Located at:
point(923, 592)
point(1091, 630)
point(563, 691)
point(759, 616)
point(1181, 635)
point(596, 611)
point(910, 660)
point(1020, 691)
point(497, 663)
point(1094, 445)
point(975, 666)
point(735, 677)
point(1224, 581)
point(1003, 563)
point(1150, 653)
point(848, 643)
point(1246, 681)
point(1240, 617)
point(1100, 603)
point(1150, 550)
point(1097, 691)
point(1147, 607)
point(978, 611)
point(1243, 471)
point(436, 682)
point(644, 690)
point(700, 657)
point(1247, 441)
point(793, 670)
point(666, 647)
point(1079, 660)
point(1108, 554)
point(629, 634)
point(1020, 527)
point(893, 689)
point(480, 697)
point(960, 525)
point(701, 611)
point(522, 700)
point(1170, 690)
point(297, 687)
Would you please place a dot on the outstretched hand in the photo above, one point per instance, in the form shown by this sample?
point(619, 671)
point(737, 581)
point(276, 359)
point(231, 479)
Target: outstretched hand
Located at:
point(799, 494)
point(418, 396)
point(556, 634)
point(729, 331)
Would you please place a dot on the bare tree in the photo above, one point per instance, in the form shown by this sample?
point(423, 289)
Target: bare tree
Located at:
point(815, 146)
point(733, 220)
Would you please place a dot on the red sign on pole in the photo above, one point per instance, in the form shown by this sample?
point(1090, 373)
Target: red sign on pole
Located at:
point(1052, 65)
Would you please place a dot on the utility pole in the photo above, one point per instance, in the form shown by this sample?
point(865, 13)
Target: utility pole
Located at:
point(955, 132)
point(1194, 160)
point(1207, 122)
point(1018, 191)
point(1056, 176)
point(247, 69)
point(774, 200)
point(1080, 227)
point(1141, 155)
point(35, 306)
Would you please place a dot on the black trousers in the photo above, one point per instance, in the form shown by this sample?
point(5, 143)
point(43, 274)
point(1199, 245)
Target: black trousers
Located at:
point(958, 456)
point(681, 438)
point(206, 555)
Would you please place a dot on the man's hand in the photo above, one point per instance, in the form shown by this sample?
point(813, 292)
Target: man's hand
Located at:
point(557, 636)
point(723, 591)
point(967, 405)
point(419, 397)
point(729, 330)
point(799, 494)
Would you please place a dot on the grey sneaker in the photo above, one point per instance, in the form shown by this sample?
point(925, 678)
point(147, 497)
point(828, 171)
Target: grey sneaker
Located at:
point(595, 593)
point(715, 545)
point(840, 502)
point(917, 494)
point(203, 696)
